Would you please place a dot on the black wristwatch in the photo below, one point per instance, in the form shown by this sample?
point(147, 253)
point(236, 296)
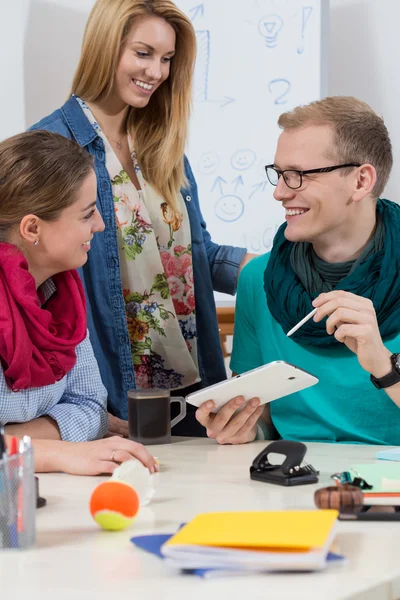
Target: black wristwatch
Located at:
point(391, 378)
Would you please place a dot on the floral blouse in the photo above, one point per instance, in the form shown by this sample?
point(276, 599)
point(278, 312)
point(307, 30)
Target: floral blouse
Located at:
point(155, 255)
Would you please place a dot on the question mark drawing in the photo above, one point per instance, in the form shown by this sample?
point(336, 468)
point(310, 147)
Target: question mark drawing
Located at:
point(306, 13)
point(282, 86)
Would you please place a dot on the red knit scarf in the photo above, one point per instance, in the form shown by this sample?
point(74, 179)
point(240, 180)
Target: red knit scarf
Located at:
point(37, 345)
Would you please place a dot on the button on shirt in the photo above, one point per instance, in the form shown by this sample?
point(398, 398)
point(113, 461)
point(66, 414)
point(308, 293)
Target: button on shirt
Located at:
point(78, 402)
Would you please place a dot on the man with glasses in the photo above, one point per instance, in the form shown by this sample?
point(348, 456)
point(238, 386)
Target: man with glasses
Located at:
point(338, 252)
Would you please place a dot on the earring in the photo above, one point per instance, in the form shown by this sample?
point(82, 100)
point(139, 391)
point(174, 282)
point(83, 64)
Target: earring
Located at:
point(36, 243)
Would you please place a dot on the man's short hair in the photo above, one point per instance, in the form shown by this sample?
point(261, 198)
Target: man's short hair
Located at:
point(360, 135)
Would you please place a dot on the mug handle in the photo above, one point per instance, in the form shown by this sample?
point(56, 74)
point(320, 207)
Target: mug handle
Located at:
point(182, 413)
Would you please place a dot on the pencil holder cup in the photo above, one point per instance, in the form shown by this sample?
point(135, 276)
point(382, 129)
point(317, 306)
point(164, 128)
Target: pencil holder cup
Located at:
point(17, 500)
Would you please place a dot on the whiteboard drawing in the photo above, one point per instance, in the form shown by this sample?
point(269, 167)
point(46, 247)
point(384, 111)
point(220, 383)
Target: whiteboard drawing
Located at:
point(258, 187)
point(256, 59)
point(196, 11)
point(227, 100)
point(229, 208)
point(269, 27)
point(202, 66)
point(243, 159)
point(305, 15)
point(261, 242)
point(208, 163)
point(279, 88)
point(237, 183)
point(202, 69)
point(218, 184)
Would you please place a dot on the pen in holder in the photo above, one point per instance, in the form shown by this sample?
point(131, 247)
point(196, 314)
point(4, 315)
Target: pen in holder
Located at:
point(17, 497)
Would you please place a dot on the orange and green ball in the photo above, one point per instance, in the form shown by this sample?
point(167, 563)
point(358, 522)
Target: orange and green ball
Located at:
point(114, 505)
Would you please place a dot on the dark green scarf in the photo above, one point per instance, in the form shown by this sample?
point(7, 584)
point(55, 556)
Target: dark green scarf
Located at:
point(295, 275)
point(317, 275)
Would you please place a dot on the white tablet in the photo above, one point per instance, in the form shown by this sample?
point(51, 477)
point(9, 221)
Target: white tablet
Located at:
point(269, 382)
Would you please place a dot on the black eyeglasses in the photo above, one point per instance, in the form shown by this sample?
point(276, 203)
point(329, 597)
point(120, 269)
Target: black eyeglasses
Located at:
point(294, 178)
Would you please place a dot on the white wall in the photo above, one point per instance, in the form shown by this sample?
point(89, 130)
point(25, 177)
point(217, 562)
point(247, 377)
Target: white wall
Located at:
point(364, 44)
point(12, 30)
point(40, 42)
point(52, 46)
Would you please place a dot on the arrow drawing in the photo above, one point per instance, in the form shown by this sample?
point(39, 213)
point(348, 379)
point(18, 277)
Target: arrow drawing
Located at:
point(218, 182)
point(196, 10)
point(236, 182)
point(227, 101)
point(257, 187)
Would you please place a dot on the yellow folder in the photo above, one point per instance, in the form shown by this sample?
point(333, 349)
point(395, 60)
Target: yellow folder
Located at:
point(275, 531)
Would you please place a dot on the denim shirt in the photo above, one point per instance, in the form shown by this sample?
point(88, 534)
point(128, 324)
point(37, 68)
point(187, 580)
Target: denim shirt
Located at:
point(215, 267)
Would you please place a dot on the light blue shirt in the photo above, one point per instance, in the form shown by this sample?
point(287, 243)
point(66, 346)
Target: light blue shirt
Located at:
point(78, 402)
point(343, 407)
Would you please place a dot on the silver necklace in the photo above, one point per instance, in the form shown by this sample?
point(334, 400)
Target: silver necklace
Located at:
point(116, 142)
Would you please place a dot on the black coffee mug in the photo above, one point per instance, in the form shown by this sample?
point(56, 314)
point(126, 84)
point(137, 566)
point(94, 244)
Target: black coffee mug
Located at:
point(149, 415)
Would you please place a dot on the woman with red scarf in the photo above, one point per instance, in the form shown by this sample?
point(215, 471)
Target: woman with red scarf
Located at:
point(50, 385)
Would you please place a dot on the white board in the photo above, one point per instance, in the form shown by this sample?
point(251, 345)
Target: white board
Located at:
point(256, 59)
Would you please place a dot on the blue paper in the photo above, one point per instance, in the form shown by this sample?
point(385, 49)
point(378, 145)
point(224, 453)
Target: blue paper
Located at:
point(153, 543)
point(390, 454)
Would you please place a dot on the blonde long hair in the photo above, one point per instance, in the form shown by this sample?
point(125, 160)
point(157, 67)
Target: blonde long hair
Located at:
point(160, 129)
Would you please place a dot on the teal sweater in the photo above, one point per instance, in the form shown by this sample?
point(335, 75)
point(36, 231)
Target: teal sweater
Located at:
point(343, 407)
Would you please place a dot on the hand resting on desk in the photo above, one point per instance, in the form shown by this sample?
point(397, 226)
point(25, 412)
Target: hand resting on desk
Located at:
point(225, 426)
point(117, 426)
point(103, 456)
point(88, 458)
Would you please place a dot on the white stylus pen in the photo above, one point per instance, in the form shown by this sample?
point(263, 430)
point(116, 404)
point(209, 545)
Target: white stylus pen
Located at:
point(300, 323)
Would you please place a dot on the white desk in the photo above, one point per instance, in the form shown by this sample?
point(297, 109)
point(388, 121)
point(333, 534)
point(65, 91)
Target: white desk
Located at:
point(74, 559)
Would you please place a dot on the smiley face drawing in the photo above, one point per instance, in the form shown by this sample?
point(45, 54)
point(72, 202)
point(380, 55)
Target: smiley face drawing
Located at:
point(229, 208)
point(208, 163)
point(243, 159)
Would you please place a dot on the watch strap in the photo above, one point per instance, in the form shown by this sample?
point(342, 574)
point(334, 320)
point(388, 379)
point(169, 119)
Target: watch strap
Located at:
point(391, 378)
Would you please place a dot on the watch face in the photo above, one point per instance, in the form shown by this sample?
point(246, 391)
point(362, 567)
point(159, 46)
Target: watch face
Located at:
point(397, 362)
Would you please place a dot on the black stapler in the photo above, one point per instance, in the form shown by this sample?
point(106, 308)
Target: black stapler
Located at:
point(290, 472)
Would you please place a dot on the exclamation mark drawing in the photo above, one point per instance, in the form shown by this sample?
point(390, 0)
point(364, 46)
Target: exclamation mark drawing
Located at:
point(306, 13)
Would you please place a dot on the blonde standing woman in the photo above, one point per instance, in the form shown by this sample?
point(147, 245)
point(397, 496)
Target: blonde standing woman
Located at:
point(150, 276)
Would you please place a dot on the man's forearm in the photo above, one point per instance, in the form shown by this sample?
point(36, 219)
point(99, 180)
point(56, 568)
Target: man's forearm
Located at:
point(394, 393)
point(382, 367)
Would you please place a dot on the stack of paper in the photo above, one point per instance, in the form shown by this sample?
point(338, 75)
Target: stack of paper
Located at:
point(254, 541)
point(390, 454)
point(385, 480)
